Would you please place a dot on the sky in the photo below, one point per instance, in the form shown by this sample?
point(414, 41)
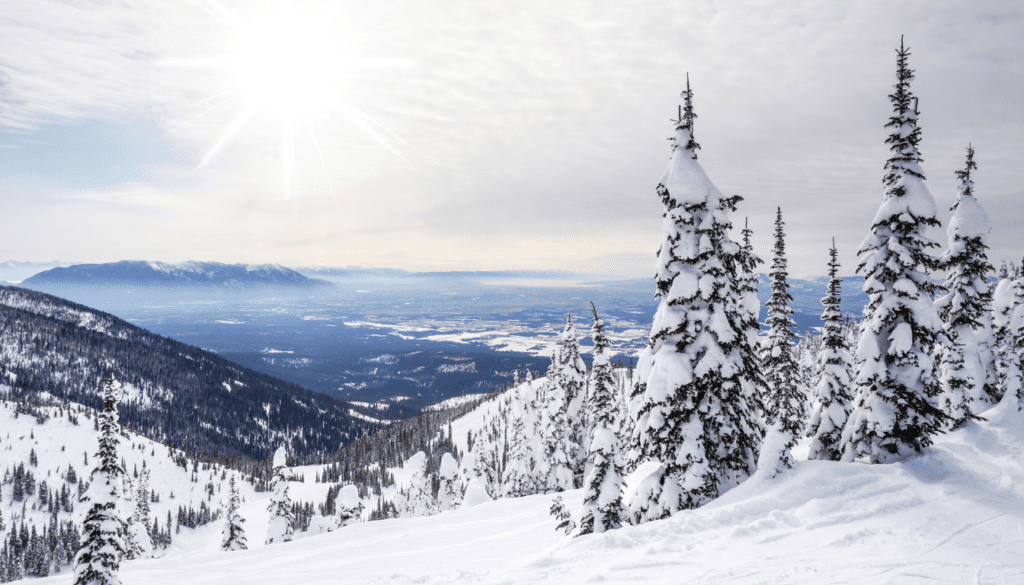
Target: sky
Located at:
point(468, 135)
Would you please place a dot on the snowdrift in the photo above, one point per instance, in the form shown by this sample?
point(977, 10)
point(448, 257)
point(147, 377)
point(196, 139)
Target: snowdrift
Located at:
point(952, 514)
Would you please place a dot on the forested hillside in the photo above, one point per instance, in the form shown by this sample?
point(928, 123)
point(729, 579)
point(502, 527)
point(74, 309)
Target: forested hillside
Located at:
point(174, 393)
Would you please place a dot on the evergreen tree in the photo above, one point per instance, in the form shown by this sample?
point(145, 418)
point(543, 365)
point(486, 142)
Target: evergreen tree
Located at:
point(517, 479)
point(349, 506)
point(449, 494)
point(894, 414)
point(835, 389)
point(786, 400)
point(562, 514)
point(553, 471)
point(103, 546)
point(966, 306)
point(233, 533)
point(415, 499)
point(572, 377)
point(696, 399)
point(1008, 332)
point(282, 520)
point(602, 501)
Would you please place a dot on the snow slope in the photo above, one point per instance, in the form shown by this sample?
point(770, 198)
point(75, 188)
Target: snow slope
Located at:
point(953, 514)
point(58, 443)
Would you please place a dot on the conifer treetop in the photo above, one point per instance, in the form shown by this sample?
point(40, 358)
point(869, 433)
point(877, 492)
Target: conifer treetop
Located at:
point(685, 122)
point(905, 135)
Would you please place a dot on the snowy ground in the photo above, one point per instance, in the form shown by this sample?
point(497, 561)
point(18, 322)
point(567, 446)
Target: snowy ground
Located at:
point(954, 514)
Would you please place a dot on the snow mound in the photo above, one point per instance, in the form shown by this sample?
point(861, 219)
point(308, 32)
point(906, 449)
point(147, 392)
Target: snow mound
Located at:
point(476, 494)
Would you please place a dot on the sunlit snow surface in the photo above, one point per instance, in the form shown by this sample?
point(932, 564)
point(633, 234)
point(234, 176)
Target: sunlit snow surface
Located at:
point(954, 514)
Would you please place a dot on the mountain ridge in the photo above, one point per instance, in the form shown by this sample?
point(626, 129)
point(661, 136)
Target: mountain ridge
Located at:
point(190, 274)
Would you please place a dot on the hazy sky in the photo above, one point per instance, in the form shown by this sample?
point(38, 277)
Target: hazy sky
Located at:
point(468, 134)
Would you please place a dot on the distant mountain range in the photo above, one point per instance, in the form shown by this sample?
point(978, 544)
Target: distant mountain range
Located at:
point(183, 275)
point(173, 392)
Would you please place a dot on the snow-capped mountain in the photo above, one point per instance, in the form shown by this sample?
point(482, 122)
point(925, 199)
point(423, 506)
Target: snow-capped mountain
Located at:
point(161, 274)
point(173, 392)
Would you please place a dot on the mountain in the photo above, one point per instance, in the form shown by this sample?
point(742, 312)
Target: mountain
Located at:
point(174, 392)
point(15, 271)
point(193, 275)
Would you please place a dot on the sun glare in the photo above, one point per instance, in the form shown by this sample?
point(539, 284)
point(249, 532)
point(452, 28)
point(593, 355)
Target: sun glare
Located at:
point(286, 64)
point(287, 61)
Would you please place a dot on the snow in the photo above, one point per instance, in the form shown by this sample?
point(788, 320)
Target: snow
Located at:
point(280, 457)
point(969, 220)
point(952, 514)
point(476, 494)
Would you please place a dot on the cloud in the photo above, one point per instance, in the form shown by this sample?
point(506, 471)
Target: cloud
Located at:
point(525, 132)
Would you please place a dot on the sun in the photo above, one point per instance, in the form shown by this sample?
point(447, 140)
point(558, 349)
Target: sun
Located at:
point(289, 61)
point(285, 62)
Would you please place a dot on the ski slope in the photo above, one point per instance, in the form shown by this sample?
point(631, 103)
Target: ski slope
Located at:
point(953, 514)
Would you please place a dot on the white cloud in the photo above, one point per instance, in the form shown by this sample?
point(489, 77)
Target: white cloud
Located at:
point(530, 131)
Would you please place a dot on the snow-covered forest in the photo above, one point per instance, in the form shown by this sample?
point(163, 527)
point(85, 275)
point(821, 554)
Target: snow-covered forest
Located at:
point(881, 448)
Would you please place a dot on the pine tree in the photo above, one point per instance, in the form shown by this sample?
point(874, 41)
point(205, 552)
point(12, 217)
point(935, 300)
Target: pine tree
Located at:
point(696, 398)
point(517, 479)
point(562, 514)
point(572, 377)
point(894, 414)
point(233, 533)
point(835, 389)
point(965, 308)
point(602, 501)
point(785, 405)
point(449, 494)
point(1008, 332)
point(281, 527)
point(553, 471)
point(349, 506)
point(103, 546)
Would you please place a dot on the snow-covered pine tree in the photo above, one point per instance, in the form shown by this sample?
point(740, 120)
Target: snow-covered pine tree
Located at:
point(965, 307)
point(835, 389)
point(517, 479)
point(233, 533)
point(894, 414)
point(1007, 321)
point(563, 515)
point(449, 494)
point(553, 470)
point(281, 526)
point(785, 411)
point(415, 498)
point(602, 501)
point(103, 531)
point(139, 527)
point(349, 506)
point(697, 402)
point(572, 376)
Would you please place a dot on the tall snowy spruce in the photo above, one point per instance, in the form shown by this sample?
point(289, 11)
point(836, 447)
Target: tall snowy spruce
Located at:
point(834, 393)
point(233, 533)
point(280, 528)
point(965, 308)
point(572, 375)
point(894, 414)
point(553, 471)
point(696, 398)
point(104, 528)
point(1008, 332)
point(602, 500)
point(784, 406)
